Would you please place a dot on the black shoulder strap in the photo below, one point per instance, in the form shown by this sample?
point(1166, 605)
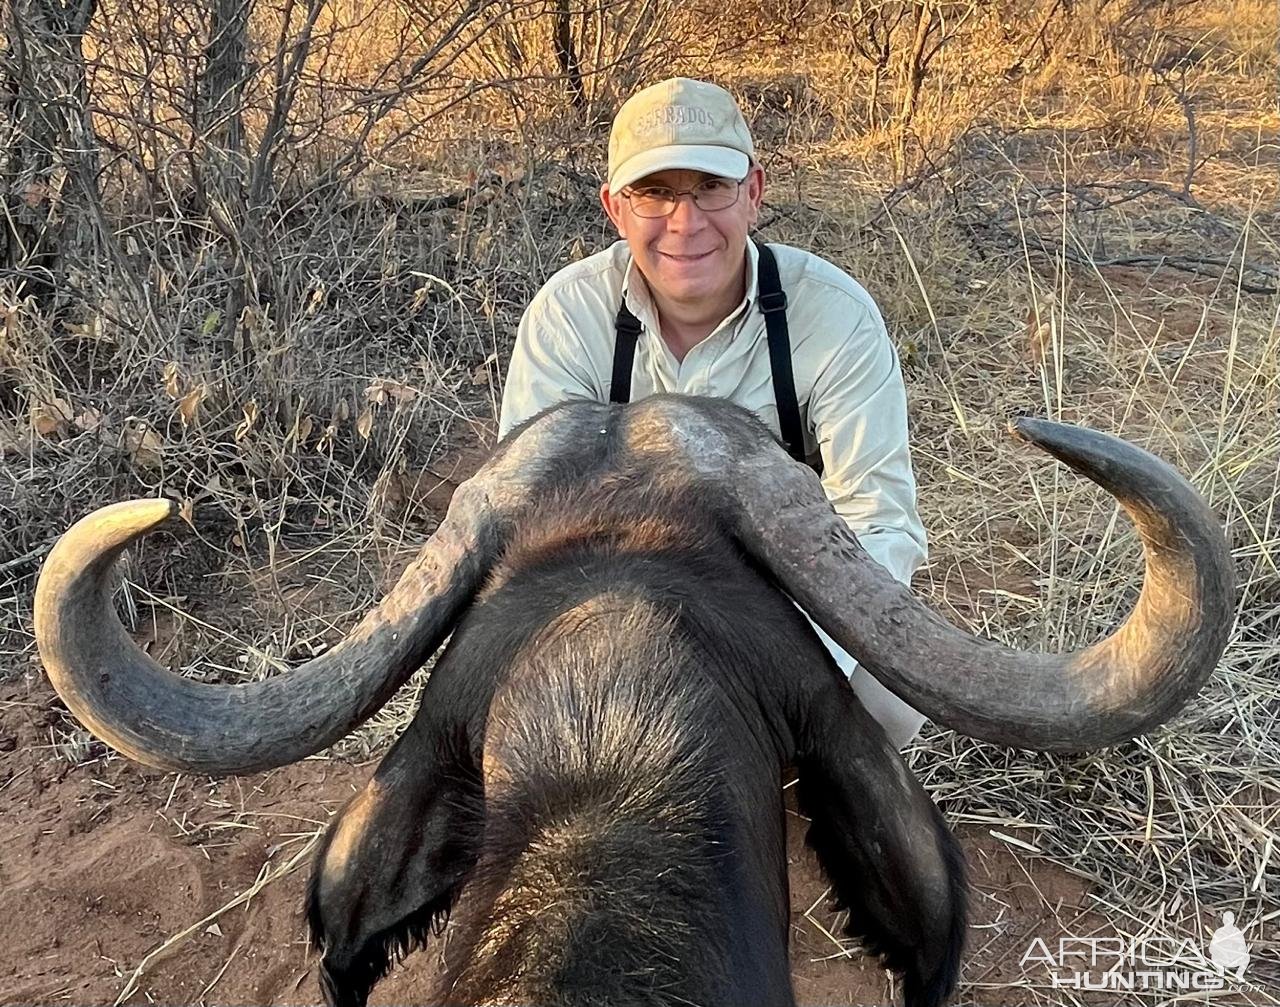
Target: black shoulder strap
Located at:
point(773, 305)
point(627, 327)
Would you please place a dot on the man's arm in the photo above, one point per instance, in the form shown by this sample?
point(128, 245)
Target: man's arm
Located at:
point(548, 365)
point(858, 409)
point(859, 412)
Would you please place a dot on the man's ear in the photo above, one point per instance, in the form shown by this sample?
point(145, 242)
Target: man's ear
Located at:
point(613, 207)
point(754, 185)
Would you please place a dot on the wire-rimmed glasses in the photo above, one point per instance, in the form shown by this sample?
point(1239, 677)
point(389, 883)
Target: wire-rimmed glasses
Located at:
point(710, 194)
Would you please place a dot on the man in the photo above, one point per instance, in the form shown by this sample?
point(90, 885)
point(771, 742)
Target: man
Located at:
point(676, 306)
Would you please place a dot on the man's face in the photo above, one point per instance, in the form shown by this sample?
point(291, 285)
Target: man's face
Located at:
point(693, 255)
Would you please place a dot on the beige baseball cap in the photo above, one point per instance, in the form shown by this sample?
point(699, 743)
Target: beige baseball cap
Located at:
point(678, 123)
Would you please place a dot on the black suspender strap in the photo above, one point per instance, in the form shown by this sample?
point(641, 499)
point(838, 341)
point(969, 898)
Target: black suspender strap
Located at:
point(772, 301)
point(773, 305)
point(627, 328)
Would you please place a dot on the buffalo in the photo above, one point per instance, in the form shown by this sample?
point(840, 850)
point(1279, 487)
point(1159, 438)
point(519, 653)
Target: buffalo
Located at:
point(590, 787)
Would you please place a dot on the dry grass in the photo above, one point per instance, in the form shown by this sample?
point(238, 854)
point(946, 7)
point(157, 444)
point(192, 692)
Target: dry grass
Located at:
point(1057, 245)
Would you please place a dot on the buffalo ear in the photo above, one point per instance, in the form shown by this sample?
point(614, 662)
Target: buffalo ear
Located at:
point(891, 860)
point(391, 864)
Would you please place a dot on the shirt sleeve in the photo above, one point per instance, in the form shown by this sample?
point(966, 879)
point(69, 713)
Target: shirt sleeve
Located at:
point(858, 410)
point(548, 365)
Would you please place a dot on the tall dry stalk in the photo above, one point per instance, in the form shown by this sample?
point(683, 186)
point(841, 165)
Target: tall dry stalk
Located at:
point(48, 153)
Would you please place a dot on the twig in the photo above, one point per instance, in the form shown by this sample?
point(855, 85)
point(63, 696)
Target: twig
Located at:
point(1183, 99)
point(25, 558)
point(265, 877)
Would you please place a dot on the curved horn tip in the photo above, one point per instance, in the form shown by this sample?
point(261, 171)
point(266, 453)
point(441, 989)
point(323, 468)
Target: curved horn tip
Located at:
point(1082, 448)
point(114, 525)
point(129, 518)
point(1032, 429)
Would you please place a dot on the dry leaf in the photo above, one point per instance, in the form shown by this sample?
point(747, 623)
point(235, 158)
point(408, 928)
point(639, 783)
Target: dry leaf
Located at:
point(173, 380)
point(342, 411)
point(484, 374)
point(89, 420)
point(34, 194)
point(250, 418)
point(189, 404)
point(1039, 341)
point(384, 389)
point(1041, 328)
point(92, 329)
point(187, 511)
point(364, 425)
point(143, 444)
point(11, 440)
point(213, 929)
point(51, 418)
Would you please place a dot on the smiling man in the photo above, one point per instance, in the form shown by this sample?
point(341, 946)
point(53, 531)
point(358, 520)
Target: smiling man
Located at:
point(687, 303)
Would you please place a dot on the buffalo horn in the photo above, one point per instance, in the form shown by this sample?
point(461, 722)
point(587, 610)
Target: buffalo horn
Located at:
point(138, 707)
point(1136, 678)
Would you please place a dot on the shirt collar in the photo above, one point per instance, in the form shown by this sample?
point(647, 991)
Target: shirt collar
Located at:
point(635, 292)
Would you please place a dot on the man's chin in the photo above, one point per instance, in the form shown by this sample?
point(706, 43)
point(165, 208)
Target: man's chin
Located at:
point(690, 279)
point(688, 292)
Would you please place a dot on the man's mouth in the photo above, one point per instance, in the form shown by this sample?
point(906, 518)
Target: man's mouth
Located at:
point(685, 258)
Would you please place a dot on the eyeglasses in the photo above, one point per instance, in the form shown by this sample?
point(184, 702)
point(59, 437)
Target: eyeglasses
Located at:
point(710, 194)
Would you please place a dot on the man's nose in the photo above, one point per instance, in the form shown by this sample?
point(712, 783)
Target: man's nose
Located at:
point(686, 216)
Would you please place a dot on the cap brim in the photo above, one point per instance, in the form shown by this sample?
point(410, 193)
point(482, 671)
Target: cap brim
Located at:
point(722, 161)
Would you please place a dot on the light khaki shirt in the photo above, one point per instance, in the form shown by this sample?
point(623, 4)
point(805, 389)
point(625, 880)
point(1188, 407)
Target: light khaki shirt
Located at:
point(852, 402)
